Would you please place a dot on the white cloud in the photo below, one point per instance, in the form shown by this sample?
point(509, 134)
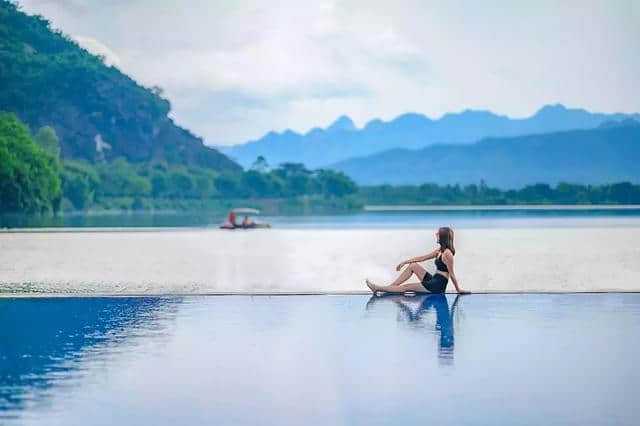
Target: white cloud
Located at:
point(235, 70)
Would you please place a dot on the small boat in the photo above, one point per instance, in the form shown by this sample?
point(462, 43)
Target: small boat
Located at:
point(248, 222)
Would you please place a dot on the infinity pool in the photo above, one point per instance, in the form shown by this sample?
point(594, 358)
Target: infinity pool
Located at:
point(517, 359)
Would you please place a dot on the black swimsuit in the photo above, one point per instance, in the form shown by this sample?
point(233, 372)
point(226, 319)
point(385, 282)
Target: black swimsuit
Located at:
point(436, 283)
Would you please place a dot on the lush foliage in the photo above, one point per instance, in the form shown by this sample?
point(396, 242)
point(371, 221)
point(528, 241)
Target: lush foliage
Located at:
point(32, 179)
point(122, 184)
point(29, 173)
point(294, 180)
point(137, 185)
point(540, 193)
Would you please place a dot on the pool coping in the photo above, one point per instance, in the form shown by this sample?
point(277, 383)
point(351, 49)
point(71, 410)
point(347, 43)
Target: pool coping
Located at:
point(285, 293)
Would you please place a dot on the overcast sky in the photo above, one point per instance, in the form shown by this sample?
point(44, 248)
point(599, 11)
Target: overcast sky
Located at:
point(235, 70)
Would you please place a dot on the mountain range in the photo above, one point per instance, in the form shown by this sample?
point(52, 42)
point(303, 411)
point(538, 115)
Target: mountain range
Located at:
point(342, 140)
point(609, 153)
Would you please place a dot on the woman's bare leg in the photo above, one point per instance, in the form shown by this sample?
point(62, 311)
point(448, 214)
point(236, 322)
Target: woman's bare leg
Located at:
point(412, 268)
point(397, 287)
point(415, 287)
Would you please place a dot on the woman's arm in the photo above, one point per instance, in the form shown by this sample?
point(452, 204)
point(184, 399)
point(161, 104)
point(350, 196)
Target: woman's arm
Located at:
point(447, 257)
point(417, 259)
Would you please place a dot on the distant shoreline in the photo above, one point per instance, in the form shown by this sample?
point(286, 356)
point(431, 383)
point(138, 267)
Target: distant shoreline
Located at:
point(173, 220)
point(365, 208)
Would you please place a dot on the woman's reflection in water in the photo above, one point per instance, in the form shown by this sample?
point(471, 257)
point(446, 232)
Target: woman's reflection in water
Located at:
point(415, 317)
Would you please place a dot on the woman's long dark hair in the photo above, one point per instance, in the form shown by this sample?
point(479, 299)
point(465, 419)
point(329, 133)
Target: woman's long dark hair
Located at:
point(445, 239)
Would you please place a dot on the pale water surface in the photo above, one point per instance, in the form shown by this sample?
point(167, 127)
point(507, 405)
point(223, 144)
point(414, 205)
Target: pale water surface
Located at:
point(541, 359)
point(311, 260)
point(496, 251)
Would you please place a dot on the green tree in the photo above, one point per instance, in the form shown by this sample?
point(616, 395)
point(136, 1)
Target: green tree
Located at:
point(48, 139)
point(80, 183)
point(296, 177)
point(29, 174)
point(286, 170)
point(159, 184)
point(567, 193)
point(624, 192)
point(540, 192)
point(471, 191)
point(260, 184)
point(335, 184)
point(260, 165)
point(181, 184)
point(227, 185)
point(120, 178)
point(204, 186)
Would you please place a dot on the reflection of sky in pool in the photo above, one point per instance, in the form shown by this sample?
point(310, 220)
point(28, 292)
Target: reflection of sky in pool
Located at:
point(479, 359)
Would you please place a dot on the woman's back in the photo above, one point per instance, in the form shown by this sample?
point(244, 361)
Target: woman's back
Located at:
point(440, 265)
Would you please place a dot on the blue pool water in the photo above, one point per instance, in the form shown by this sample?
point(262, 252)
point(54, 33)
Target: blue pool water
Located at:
point(561, 359)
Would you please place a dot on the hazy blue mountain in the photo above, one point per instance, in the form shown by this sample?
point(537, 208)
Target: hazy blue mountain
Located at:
point(606, 154)
point(342, 140)
point(342, 124)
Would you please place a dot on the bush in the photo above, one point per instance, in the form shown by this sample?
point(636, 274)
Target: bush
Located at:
point(120, 177)
point(80, 183)
point(29, 174)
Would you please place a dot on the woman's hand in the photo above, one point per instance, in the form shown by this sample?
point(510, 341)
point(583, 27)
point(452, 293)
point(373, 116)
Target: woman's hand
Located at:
point(400, 265)
point(461, 291)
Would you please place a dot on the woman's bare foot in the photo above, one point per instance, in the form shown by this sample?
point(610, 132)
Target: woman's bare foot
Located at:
point(371, 286)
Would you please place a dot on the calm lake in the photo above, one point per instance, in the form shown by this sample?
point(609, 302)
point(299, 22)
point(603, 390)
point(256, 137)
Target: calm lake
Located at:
point(525, 359)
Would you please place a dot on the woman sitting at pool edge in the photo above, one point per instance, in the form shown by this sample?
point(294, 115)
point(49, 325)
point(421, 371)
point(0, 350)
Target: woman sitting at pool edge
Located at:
point(436, 283)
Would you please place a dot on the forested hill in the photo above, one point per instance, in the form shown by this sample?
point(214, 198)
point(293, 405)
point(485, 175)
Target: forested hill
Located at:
point(98, 112)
